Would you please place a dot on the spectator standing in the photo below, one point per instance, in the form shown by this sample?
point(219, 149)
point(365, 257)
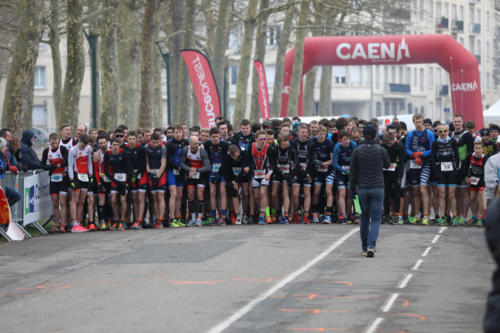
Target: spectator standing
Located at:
point(367, 179)
point(29, 159)
point(11, 156)
point(12, 195)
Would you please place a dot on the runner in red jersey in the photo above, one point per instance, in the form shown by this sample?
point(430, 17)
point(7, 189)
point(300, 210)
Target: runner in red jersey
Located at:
point(103, 182)
point(262, 172)
point(57, 157)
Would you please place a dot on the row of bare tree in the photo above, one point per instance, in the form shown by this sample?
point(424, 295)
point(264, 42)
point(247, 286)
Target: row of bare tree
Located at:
point(130, 64)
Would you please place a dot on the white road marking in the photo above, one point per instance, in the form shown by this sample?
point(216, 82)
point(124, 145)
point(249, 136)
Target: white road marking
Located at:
point(373, 327)
point(417, 264)
point(405, 281)
point(442, 229)
point(426, 252)
point(435, 239)
point(390, 302)
point(253, 303)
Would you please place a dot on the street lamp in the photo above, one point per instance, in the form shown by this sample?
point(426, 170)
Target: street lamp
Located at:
point(166, 58)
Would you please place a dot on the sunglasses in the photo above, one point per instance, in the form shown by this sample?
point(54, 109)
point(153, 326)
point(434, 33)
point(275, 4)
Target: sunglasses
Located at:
point(442, 131)
point(118, 136)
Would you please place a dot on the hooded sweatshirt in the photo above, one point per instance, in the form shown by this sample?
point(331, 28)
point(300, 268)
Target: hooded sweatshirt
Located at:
point(29, 160)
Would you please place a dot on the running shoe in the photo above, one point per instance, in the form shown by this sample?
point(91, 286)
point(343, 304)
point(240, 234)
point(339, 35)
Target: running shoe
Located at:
point(62, 228)
point(79, 228)
point(400, 220)
point(364, 254)
point(328, 219)
point(54, 229)
point(296, 218)
point(479, 222)
point(283, 220)
point(269, 220)
point(191, 223)
point(262, 220)
point(103, 226)
point(222, 221)
point(233, 219)
point(305, 219)
point(274, 218)
point(455, 222)
point(136, 225)
point(92, 226)
point(315, 218)
point(412, 219)
point(245, 219)
point(440, 221)
point(238, 220)
point(370, 253)
point(121, 227)
point(199, 222)
point(114, 226)
point(425, 220)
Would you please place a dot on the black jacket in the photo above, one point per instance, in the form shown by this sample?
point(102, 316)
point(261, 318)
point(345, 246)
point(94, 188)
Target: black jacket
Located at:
point(491, 323)
point(29, 159)
point(367, 164)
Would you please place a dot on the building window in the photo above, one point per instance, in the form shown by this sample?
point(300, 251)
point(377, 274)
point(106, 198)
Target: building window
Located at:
point(340, 74)
point(431, 7)
point(415, 77)
point(40, 77)
point(445, 10)
point(39, 116)
point(379, 109)
point(438, 12)
point(487, 51)
point(270, 73)
point(422, 79)
point(273, 35)
point(410, 108)
point(461, 13)
point(478, 18)
point(355, 75)
point(408, 76)
point(387, 110)
point(234, 74)
point(431, 76)
point(378, 77)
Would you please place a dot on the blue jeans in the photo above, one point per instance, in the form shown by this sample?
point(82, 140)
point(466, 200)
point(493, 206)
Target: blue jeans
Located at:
point(371, 201)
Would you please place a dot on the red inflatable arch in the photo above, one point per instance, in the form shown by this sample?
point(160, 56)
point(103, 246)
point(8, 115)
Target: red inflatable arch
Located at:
point(395, 50)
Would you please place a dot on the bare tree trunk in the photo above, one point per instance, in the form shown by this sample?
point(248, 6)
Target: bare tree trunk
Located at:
point(280, 60)
point(157, 70)
point(75, 66)
point(176, 12)
point(129, 60)
point(298, 59)
point(146, 110)
point(18, 103)
point(260, 54)
point(54, 40)
point(206, 7)
point(243, 70)
point(220, 44)
point(183, 105)
point(308, 102)
point(109, 66)
point(325, 92)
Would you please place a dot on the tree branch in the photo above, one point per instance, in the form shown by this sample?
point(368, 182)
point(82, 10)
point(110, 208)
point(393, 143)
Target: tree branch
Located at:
point(8, 49)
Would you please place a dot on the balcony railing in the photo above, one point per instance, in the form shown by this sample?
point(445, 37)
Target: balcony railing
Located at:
point(457, 26)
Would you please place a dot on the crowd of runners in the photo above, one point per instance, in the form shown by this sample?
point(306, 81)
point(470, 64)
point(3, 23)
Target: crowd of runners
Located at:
point(278, 171)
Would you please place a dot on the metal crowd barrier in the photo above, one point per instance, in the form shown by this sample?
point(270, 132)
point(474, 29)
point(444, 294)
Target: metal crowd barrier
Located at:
point(16, 182)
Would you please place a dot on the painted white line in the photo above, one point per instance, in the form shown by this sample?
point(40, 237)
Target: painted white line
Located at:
point(373, 327)
point(417, 264)
point(442, 229)
point(435, 239)
point(390, 302)
point(426, 252)
point(405, 281)
point(252, 304)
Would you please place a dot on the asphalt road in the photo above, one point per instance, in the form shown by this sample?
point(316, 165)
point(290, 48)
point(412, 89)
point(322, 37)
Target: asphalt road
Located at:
point(276, 278)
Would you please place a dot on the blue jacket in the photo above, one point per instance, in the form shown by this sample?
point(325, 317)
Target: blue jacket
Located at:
point(29, 159)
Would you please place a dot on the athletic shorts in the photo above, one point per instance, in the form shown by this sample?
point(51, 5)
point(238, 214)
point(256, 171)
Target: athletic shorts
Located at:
point(477, 188)
point(104, 187)
point(202, 182)
point(119, 187)
point(216, 178)
point(279, 178)
point(324, 178)
point(175, 180)
point(302, 179)
point(81, 185)
point(420, 176)
point(342, 180)
point(158, 184)
point(256, 183)
point(446, 178)
point(59, 187)
point(141, 183)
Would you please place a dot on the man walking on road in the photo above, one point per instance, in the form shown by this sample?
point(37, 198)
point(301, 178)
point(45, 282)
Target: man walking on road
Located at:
point(367, 179)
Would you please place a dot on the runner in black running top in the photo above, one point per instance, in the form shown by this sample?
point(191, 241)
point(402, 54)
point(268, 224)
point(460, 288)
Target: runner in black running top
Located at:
point(156, 156)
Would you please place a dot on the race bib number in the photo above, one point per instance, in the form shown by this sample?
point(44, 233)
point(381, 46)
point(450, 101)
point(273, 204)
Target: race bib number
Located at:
point(236, 171)
point(414, 165)
point(176, 172)
point(215, 167)
point(83, 177)
point(392, 168)
point(138, 176)
point(259, 174)
point(303, 166)
point(196, 175)
point(446, 166)
point(323, 168)
point(154, 172)
point(56, 178)
point(474, 180)
point(121, 177)
point(285, 168)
